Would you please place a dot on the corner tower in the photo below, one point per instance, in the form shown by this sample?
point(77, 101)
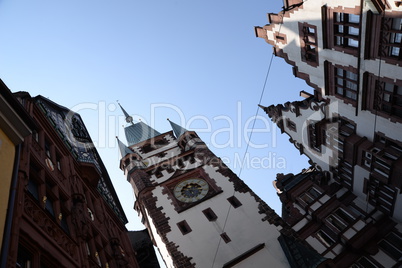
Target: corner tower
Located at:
point(197, 211)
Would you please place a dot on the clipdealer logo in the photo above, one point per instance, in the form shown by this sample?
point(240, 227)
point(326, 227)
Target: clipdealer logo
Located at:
point(107, 122)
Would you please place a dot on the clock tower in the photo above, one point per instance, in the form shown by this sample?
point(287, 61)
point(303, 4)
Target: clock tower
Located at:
point(197, 211)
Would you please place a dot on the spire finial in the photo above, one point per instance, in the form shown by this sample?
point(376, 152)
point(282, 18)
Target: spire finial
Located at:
point(129, 119)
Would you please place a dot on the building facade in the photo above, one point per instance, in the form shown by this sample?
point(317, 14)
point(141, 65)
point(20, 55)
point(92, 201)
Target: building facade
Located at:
point(348, 205)
point(197, 211)
point(15, 125)
point(66, 212)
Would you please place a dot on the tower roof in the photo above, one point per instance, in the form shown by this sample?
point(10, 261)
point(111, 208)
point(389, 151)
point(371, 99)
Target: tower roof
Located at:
point(124, 150)
point(178, 130)
point(139, 132)
point(129, 119)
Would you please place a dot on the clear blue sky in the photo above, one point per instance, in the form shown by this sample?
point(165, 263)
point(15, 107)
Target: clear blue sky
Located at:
point(195, 62)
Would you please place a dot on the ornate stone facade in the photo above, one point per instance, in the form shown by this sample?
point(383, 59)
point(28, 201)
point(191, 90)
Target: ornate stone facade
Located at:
point(66, 212)
point(346, 205)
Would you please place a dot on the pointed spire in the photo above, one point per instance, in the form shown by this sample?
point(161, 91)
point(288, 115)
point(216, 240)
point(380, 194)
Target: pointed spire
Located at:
point(124, 150)
point(139, 132)
point(178, 130)
point(129, 119)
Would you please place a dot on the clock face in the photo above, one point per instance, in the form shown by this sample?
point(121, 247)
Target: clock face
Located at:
point(191, 190)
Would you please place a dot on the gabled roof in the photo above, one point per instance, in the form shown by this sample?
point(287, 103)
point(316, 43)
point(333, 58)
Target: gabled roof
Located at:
point(178, 130)
point(139, 132)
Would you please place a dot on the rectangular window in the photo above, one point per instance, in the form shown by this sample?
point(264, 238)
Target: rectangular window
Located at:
point(381, 168)
point(88, 250)
point(342, 82)
point(381, 159)
point(381, 195)
point(335, 133)
point(384, 36)
point(346, 128)
point(184, 227)
point(34, 180)
point(49, 205)
point(365, 262)
point(315, 135)
point(392, 245)
point(210, 214)
point(340, 219)
point(346, 84)
point(58, 161)
point(47, 149)
point(33, 188)
point(392, 36)
point(343, 174)
point(309, 196)
point(341, 29)
point(308, 43)
point(389, 98)
point(234, 202)
point(325, 238)
point(63, 222)
point(225, 238)
point(24, 258)
point(346, 30)
point(35, 135)
point(49, 199)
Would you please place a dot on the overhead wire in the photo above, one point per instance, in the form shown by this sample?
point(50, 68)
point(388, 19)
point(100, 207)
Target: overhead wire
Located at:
point(251, 133)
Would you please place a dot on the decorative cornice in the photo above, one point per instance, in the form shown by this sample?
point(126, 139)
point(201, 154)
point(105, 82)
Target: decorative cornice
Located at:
point(275, 112)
